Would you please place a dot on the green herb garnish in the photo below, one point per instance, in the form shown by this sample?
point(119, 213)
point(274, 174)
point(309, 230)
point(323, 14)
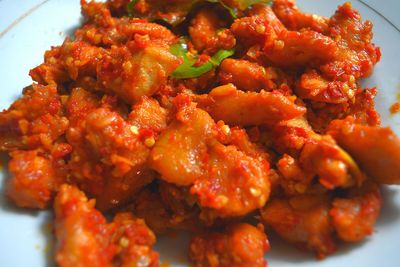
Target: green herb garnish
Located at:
point(186, 70)
point(130, 6)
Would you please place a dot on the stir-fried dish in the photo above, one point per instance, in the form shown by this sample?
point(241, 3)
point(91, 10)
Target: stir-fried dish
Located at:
point(227, 119)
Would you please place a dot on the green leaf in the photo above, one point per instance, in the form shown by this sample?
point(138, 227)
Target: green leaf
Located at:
point(130, 6)
point(186, 70)
point(244, 4)
point(239, 5)
point(180, 50)
point(217, 58)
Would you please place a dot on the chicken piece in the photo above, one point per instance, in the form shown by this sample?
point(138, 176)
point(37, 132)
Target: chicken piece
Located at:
point(110, 155)
point(148, 114)
point(52, 70)
point(157, 33)
point(123, 153)
point(261, 26)
point(292, 49)
point(133, 75)
point(73, 61)
point(80, 59)
point(138, 60)
point(362, 110)
point(180, 153)
point(207, 32)
point(134, 240)
point(295, 180)
point(280, 47)
point(239, 138)
point(317, 154)
point(80, 102)
point(239, 245)
point(249, 76)
point(121, 31)
point(375, 149)
point(83, 164)
point(35, 120)
point(216, 197)
point(102, 29)
point(245, 75)
point(303, 221)
point(34, 179)
point(265, 12)
point(312, 85)
point(188, 153)
point(335, 82)
point(82, 234)
point(111, 137)
point(84, 238)
point(254, 30)
point(290, 136)
point(234, 185)
point(332, 164)
point(354, 215)
point(295, 20)
point(235, 107)
point(357, 54)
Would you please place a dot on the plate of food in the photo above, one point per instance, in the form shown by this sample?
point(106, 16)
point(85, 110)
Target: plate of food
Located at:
point(199, 133)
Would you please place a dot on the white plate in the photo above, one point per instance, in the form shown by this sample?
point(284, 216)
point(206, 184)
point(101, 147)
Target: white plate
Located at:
point(25, 237)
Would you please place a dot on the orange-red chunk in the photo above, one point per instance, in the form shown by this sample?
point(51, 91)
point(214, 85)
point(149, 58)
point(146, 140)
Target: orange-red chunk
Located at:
point(236, 107)
point(208, 32)
point(303, 221)
point(34, 179)
point(354, 215)
point(239, 245)
point(82, 234)
point(35, 120)
point(234, 184)
point(289, 13)
point(180, 153)
point(250, 76)
point(85, 239)
point(376, 149)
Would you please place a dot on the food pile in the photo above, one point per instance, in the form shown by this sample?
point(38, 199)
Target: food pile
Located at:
point(228, 119)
